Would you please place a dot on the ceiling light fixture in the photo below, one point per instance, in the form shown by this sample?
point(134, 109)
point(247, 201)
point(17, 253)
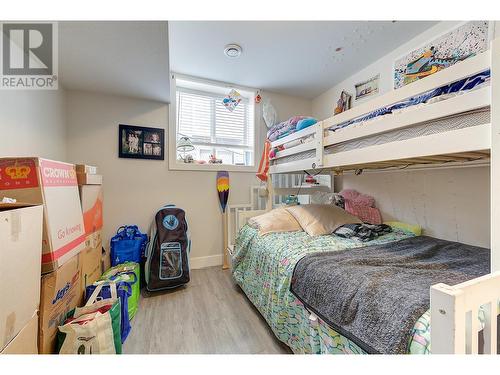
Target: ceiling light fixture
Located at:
point(232, 51)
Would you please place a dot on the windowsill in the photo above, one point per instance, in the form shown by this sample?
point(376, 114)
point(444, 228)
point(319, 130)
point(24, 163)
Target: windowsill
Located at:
point(176, 166)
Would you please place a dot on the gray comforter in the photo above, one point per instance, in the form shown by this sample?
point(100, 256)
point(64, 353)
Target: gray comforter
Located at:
point(374, 295)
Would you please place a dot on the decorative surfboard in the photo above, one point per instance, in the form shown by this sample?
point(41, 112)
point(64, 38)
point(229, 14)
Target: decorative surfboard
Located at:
point(222, 183)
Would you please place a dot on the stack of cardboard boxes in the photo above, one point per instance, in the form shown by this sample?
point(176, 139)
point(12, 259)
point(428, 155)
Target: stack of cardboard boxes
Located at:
point(64, 242)
point(91, 197)
point(20, 252)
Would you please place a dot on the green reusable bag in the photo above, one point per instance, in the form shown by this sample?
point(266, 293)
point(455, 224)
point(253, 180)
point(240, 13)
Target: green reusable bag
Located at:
point(130, 273)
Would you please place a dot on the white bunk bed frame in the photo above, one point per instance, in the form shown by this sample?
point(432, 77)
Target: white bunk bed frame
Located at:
point(452, 307)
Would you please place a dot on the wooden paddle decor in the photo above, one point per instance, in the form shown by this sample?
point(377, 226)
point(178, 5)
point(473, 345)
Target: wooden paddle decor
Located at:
point(223, 192)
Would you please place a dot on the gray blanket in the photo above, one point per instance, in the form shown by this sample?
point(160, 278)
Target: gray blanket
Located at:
point(374, 295)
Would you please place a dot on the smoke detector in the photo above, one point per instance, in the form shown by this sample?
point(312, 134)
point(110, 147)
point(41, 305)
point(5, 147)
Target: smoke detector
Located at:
point(232, 51)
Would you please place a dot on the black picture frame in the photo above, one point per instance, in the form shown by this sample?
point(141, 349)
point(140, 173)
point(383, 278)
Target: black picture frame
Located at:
point(140, 142)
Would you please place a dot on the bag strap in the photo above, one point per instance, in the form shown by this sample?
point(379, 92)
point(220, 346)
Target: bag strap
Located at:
point(113, 277)
point(121, 229)
point(93, 297)
point(128, 231)
point(126, 287)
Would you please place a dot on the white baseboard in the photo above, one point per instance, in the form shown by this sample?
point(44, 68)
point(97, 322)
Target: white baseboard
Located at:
point(204, 262)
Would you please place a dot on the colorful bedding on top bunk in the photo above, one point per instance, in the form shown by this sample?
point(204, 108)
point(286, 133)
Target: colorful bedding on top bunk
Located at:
point(290, 126)
point(440, 93)
point(263, 267)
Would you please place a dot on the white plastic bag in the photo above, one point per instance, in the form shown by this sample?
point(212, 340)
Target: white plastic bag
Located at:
point(269, 114)
point(91, 332)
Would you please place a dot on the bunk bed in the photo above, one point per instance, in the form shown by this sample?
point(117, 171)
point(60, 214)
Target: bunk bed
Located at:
point(411, 127)
point(387, 132)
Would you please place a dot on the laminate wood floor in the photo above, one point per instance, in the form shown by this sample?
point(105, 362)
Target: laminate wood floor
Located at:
point(210, 315)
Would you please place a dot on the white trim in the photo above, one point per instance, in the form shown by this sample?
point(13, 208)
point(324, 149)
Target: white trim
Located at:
point(294, 136)
point(299, 165)
point(311, 145)
point(495, 157)
point(206, 261)
point(211, 82)
point(211, 167)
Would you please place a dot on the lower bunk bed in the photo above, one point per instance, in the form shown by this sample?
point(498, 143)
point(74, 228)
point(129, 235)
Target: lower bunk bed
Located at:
point(263, 266)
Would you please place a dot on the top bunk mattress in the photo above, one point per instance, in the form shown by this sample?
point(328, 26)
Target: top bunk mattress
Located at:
point(459, 121)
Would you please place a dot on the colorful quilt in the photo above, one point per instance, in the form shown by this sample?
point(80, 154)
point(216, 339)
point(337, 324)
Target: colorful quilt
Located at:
point(263, 267)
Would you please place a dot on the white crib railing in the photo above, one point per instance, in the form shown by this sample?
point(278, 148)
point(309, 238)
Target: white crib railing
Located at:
point(454, 316)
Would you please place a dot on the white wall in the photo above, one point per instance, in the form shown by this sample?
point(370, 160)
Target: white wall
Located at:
point(32, 123)
point(134, 189)
point(452, 204)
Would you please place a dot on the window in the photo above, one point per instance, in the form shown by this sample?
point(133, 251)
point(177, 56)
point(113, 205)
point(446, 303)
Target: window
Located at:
point(213, 130)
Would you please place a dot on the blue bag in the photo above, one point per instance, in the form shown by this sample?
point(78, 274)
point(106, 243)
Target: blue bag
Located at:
point(128, 245)
point(124, 291)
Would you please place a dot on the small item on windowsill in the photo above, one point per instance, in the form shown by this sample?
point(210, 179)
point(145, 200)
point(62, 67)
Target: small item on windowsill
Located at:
point(214, 160)
point(200, 162)
point(292, 200)
point(311, 180)
point(8, 200)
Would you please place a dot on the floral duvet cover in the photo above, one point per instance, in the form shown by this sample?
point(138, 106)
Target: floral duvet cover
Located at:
point(263, 267)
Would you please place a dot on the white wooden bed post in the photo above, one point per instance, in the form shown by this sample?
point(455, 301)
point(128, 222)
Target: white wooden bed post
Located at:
point(495, 155)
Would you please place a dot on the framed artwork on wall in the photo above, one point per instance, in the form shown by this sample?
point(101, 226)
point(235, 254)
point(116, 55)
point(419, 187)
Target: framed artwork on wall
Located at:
point(465, 41)
point(138, 142)
point(367, 88)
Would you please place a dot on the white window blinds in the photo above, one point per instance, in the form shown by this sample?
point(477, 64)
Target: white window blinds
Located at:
point(194, 117)
point(202, 117)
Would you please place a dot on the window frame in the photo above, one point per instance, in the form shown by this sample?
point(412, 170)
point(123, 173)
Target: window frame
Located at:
point(172, 127)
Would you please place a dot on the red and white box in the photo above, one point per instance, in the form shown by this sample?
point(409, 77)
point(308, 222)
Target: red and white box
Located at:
point(54, 185)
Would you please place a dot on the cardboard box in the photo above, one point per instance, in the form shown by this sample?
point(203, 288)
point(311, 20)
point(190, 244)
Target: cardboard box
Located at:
point(89, 179)
point(84, 168)
point(91, 198)
point(61, 292)
point(20, 255)
point(26, 340)
point(105, 260)
point(94, 240)
point(53, 184)
point(91, 260)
